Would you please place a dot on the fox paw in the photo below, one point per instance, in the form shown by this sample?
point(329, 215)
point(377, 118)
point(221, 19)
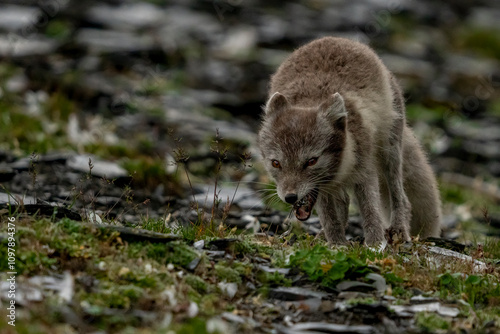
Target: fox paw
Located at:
point(375, 239)
point(397, 234)
point(336, 240)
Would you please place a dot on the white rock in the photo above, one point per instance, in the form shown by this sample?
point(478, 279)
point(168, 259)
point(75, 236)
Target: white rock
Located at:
point(217, 325)
point(94, 217)
point(193, 310)
point(229, 289)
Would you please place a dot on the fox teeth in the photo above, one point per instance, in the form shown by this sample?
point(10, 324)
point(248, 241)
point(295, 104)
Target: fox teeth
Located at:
point(301, 202)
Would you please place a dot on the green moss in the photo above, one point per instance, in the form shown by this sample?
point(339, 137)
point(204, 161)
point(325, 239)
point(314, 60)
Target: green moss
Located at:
point(430, 322)
point(48, 245)
point(452, 193)
point(484, 41)
point(174, 252)
point(149, 172)
point(491, 247)
point(120, 150)
point(192, 326)
point(218, 114)
point(197, 283)
point(141, 279)
point(156, 225)
point(244, 246)
point(113, 296)
point(226, 273)
point(33, 261)
point(494, 108)
point(58, 29)
point(211, 303)
point(418, 112)
point(21, 132)
point(59, 107)
point(276, 278)
point(25, 131)
point(362, 301)
point(74, 239)
point(477, 289)
point(64, 238)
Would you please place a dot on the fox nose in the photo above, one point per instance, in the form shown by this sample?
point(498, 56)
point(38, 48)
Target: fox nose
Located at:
point(291, 198)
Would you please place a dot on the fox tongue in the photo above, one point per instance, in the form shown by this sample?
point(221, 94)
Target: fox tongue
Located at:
point(303, 208)
point(303, 212)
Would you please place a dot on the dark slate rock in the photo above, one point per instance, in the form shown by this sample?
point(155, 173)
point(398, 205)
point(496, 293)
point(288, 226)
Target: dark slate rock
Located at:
point(295, 293)
point(355, 286)
point(6, 173)
point(222, 244)
point(42, 210)
point(323, 327)
point(137, 234)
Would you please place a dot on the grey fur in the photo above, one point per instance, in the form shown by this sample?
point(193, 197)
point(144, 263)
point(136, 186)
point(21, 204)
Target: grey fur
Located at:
point(338, 123)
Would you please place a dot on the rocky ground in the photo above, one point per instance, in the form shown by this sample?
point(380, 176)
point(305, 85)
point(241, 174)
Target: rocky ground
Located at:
point(131, 113)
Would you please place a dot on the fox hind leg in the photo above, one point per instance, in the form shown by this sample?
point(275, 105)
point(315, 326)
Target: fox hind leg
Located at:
point(392, 168)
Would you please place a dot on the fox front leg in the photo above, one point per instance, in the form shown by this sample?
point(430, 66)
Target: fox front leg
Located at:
point(368, 196)
point(333, 214)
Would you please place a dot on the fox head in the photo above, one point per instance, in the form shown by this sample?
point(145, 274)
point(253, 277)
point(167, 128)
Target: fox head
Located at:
point(302, 148)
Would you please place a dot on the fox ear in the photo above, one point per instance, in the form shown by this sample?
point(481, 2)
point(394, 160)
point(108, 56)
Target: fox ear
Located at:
point(334, 110)
point(276, 103)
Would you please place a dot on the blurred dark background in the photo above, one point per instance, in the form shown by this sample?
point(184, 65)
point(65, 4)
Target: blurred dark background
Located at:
point(145, 83)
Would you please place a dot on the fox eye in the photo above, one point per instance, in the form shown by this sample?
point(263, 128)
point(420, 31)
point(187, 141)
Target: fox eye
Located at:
point(276, 164)
point(311, 162)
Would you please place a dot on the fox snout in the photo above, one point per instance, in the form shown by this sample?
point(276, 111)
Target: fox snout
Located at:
point(291, 198)
point(288, 191)
point(302, 203)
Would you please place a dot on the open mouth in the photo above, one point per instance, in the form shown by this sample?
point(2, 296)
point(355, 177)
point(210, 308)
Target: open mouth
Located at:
point(303, 208)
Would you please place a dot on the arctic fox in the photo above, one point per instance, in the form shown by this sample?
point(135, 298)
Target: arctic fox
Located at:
point(334, 121)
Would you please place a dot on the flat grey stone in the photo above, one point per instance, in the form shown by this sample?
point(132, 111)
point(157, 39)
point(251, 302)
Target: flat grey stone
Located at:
point(14, 18)
point(295, 293)
point(428, 307)
point(15, 199)
point(410, 67)
point(268, 269)
point(484, 17)
point(459, 65)
point(183, 26)
point(131, 16)
point(14, 45)
point(355, 286)
point(244, 197)
point(107, 169)
point(323, 327)
point(98, 40)
point(440, 256)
